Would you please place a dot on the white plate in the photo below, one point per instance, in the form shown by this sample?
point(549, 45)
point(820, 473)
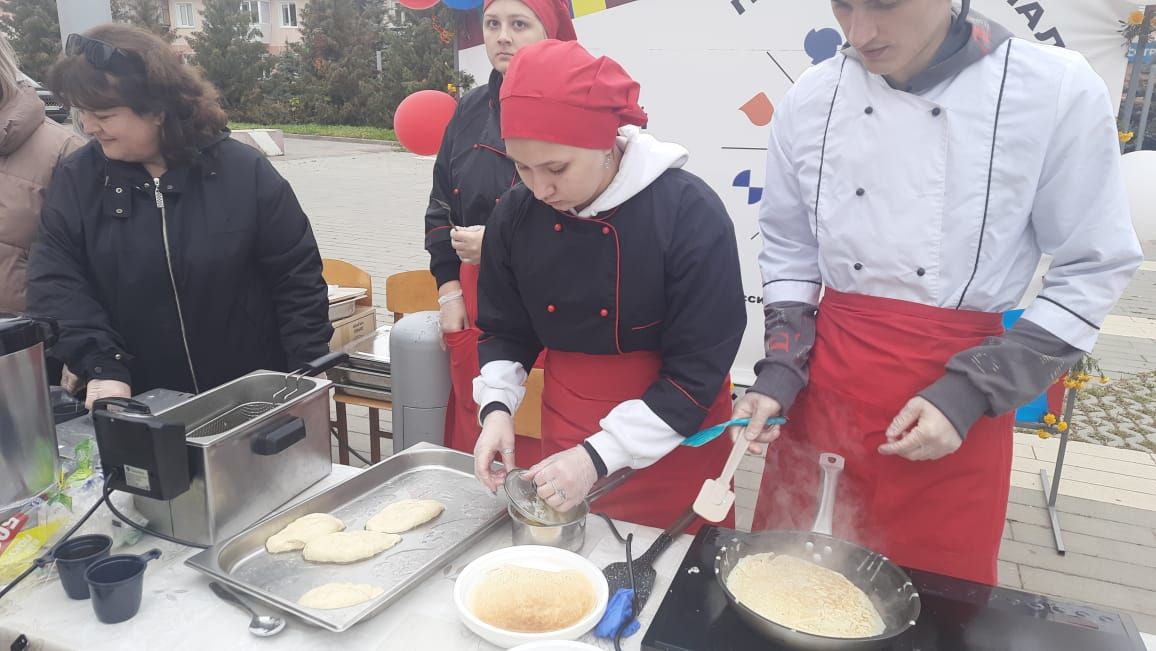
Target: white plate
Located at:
point(539, 557)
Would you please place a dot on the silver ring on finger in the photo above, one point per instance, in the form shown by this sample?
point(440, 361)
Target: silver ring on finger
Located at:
point(562, 493)
point(507, 450)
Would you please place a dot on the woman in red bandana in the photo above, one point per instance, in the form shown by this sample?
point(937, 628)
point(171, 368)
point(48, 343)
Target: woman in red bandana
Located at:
point(625, 267)
point(471, 172)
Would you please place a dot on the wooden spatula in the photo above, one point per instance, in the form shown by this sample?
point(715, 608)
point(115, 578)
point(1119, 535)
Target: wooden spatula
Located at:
point(716, 498)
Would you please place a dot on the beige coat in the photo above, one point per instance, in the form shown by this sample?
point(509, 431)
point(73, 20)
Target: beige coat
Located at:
point(30, 146)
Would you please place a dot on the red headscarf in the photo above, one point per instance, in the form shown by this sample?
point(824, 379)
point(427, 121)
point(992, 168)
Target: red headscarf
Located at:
point(558, 92)
point(555, 17)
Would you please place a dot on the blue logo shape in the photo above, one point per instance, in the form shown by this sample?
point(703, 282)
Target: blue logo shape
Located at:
point(743, 180)
point(823, 44)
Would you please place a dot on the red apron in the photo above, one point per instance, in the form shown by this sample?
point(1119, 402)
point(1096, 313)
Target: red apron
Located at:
point(871, 356)
point(462, 427)
point(581, 389)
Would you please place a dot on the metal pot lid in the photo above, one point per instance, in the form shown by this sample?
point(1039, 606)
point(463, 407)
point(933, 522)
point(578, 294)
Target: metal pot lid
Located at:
point(373, 346)
point(19, 332)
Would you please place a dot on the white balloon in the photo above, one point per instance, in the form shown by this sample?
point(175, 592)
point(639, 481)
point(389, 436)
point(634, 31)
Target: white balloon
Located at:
point(1140, 179)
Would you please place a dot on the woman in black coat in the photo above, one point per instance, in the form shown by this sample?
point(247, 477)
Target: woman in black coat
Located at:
point(172, 256)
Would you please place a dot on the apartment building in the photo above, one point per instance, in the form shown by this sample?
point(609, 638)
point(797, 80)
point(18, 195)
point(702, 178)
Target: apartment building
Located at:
point(277, 20)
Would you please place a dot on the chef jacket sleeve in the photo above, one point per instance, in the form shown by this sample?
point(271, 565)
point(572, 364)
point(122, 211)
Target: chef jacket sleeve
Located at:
point(1080, 215)
point(705, 320)
point(1001, 374)
point(444, 263)
point(789, 263)
point(291, 266)
point(508, 344)
point(59, 287)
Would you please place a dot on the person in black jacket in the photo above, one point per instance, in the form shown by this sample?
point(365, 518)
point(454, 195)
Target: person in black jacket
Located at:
point(471, 172)
point(172, 256)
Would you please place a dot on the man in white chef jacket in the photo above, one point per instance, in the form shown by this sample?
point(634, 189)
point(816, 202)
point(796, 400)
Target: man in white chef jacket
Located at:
point(916, 178)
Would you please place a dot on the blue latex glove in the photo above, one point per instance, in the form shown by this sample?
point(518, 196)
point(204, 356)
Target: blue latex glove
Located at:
point(618, 610)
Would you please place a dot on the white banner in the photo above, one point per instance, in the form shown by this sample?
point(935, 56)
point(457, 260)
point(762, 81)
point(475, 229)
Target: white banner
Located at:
point(711, 71)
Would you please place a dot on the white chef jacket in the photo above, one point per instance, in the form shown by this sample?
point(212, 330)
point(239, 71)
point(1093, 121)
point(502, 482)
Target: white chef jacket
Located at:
point(949, 197)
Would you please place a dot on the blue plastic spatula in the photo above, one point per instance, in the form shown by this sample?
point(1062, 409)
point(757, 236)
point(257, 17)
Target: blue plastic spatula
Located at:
point(711, 433)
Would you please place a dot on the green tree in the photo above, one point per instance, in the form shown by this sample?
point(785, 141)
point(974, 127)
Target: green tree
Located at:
point(33, 29)
point(228, 51)
point(336, 79)
point(152, 15)
point(417, 57)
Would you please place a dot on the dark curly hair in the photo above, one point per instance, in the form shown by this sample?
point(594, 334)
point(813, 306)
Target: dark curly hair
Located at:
point(157, 82)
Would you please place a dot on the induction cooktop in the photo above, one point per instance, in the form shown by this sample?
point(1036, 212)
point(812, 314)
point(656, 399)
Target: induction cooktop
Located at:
point(957, 615)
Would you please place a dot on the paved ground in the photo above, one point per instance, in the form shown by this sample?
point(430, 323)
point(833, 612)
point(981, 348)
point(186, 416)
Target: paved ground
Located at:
point(366, 202)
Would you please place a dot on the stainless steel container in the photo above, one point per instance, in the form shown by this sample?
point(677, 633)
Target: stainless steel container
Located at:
point(569, 536)
point(29, 461)
point(234, 481)
point(367, 373)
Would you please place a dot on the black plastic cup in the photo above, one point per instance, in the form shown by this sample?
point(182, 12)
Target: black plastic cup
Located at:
point(116, 584)
point(73, 558)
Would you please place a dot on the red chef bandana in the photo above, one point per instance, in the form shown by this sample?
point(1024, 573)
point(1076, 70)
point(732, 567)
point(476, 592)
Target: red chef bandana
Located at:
point(555, 17)
point(558, 92)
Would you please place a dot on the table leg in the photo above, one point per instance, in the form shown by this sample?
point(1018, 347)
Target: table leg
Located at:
point(374, 435)
point(342, 435)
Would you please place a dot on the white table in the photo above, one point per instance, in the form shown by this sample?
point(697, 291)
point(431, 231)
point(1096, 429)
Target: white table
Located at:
point(179, 612)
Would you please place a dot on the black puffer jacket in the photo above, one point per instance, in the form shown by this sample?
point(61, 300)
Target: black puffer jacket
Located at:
point(244, 264)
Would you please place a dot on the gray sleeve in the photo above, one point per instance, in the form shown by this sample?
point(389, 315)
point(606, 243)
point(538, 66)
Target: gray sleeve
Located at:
point(790, 336)
point(1000, 374)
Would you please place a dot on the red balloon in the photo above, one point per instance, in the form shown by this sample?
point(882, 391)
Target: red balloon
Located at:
point(418, 4)
point(420, 120)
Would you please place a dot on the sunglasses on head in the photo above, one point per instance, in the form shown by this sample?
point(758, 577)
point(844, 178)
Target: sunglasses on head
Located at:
point(101, 55)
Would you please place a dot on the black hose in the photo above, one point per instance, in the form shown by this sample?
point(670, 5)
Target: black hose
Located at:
point(613, 530)
point(123, 518)
point(40, 562)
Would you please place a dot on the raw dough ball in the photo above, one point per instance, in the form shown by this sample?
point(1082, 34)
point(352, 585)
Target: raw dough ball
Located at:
point(405, 515)
point(348, 546)
point(339, 595)
point(301, 531)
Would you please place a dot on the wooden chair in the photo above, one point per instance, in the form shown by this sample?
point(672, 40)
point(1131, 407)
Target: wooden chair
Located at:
point(408, 291)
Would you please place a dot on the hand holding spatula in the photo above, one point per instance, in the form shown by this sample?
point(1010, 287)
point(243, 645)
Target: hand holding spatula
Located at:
point(716, 497)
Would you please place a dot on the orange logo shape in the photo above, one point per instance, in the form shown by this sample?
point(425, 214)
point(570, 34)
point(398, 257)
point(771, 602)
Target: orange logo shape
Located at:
point(759, 109)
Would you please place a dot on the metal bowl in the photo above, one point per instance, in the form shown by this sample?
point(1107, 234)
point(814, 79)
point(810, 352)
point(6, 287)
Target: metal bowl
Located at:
point(888, 586)
point(569, 536)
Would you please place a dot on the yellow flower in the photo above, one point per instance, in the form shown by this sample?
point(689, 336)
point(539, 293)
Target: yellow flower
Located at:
point(1126, 136)
point(1062, 426)
point(1104, 379)
point(1136, 17)
point(1043, 433)
point(1050, 419)
point(1084, 377)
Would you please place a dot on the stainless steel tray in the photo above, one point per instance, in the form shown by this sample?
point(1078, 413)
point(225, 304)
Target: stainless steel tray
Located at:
point(360, 377)
point(423, 471)
point(384, 395)
point(342, 309)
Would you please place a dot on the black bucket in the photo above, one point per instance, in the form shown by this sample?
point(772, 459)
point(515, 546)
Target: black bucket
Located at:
point(116, 584)
point(73, 558)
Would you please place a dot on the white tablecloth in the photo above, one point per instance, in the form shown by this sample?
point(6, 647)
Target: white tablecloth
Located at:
point(179, 612)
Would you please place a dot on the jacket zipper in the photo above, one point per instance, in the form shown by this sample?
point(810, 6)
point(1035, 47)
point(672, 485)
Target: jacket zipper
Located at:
point(173, 279)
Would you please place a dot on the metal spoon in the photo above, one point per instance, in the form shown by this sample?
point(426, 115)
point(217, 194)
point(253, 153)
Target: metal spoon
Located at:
point(260, 625)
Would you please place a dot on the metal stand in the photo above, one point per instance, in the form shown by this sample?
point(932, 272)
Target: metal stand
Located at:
point(1052, 494)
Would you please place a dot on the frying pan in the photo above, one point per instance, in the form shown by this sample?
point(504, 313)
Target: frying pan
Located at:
point(888, 586)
